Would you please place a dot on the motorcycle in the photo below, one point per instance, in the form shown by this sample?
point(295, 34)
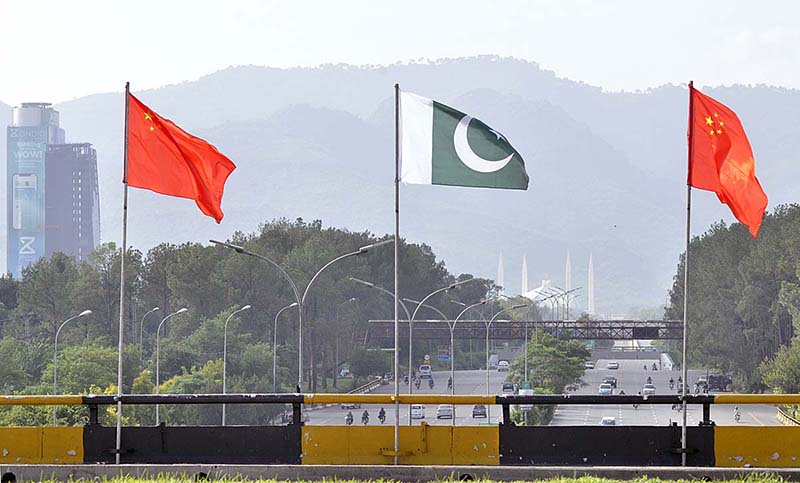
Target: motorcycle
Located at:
point(655, 368)
point(416, 383)
point(348, 420)
point(671, 384)
point(365, 418)
point(430, 383)
point(450, 383)
point(405, 379)
point(382, 416)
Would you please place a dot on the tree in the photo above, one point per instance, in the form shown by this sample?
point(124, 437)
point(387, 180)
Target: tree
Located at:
point(782, 372)
point(366, 363)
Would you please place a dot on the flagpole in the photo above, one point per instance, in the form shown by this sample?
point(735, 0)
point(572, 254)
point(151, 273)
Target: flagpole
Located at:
point(396, 273)
point(685, 370)
point(123, 250)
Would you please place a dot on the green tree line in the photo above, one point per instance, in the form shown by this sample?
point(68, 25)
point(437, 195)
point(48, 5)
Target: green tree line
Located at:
point(211, 282)
point(744, 302)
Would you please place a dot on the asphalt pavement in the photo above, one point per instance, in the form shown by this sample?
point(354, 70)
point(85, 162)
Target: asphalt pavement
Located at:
point(466, 382)
point(631, 377)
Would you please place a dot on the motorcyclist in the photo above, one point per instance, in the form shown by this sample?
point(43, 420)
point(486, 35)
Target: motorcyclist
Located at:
point(671, 383)
point(622, 393)
point(649, 380)
point(736, 414)
point(655, 367)
point(349, 418)
point(405, 379)
point(645, 367)
point(382, 415)
point(416, 383)
point(449, 383)
point(430, 383)
point(365, 417)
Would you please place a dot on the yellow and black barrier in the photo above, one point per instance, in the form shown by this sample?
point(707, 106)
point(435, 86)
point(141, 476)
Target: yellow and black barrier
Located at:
point(505, 444)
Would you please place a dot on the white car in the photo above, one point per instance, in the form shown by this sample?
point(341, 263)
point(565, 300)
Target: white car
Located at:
point(417, 411)
point(608, 421)
point(606, 389)
point(502, 366)
point(588, 365)
point(425, 371)
point(444, 411)
point(612, 365)
point(648, 390)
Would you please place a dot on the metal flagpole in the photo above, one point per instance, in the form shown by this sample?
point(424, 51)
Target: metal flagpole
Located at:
point(686, 278)
point(122, 279)
point(396, 274)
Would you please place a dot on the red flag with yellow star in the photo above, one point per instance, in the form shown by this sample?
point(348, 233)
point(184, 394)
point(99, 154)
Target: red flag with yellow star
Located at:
point(164, 158)
point(721, 160)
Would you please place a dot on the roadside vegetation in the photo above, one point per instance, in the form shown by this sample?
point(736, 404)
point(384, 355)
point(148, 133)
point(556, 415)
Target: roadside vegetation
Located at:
point(744, 305)
point(211, 282)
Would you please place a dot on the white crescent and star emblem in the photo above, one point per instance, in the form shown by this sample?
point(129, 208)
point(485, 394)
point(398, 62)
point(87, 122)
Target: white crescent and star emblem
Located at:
point(468, 156)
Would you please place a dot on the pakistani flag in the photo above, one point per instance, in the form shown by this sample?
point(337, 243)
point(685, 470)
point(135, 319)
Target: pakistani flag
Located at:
point(439, 145)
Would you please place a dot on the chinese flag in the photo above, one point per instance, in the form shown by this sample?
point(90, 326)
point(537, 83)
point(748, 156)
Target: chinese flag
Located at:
point(166, 159)
point(721, 160)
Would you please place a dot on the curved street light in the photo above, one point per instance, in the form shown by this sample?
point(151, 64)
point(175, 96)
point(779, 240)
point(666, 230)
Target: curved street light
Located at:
point(298, 298)
point(141, 334)
point(158, 353)
point(488, 326)
point(452, 328)
point(55, 358)
point(385, 291)
point(411, 330)
point(225, 356)
point(275, 346)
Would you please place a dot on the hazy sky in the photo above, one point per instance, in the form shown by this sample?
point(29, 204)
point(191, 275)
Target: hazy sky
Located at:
point(54, 50)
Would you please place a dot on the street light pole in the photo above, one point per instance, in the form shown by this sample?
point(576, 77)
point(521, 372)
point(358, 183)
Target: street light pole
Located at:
point(411, 331)
point(141, 334)
point(298, 298)
point(225, 356)
point(275, 347)
point(452, 350)
point(488, 326)
point(55, 359)
point(158, 353)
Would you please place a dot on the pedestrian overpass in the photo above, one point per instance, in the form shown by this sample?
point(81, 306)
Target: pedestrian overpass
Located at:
point(382, 331)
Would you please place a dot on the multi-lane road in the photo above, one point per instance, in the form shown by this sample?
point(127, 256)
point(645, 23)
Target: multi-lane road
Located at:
point(466, 382)
point(631, 376)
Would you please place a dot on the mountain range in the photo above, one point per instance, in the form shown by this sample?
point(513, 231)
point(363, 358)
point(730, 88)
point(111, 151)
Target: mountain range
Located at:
point(607, 169)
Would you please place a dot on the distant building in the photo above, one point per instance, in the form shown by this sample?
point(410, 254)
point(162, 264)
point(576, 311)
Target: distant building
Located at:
point(51, 189)
point(72, 215)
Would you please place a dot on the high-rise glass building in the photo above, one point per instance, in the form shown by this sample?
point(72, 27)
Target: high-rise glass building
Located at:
point(52, 199)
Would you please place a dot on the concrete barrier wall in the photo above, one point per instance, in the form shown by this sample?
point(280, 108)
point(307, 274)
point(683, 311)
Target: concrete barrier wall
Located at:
point(726, 446)
point(419, 445)
point(757, 446)
point(60, 445)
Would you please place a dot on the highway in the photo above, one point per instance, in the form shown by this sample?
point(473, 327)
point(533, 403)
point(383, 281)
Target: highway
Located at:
point(631, 376)
point(466, 382)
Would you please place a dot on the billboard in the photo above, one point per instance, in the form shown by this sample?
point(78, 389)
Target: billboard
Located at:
point(25, 166)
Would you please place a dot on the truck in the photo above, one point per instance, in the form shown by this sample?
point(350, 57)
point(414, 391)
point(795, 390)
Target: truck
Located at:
point(720, 382)
point(493, 360)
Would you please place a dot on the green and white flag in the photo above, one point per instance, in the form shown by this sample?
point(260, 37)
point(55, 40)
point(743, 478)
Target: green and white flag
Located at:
point(439, 145)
